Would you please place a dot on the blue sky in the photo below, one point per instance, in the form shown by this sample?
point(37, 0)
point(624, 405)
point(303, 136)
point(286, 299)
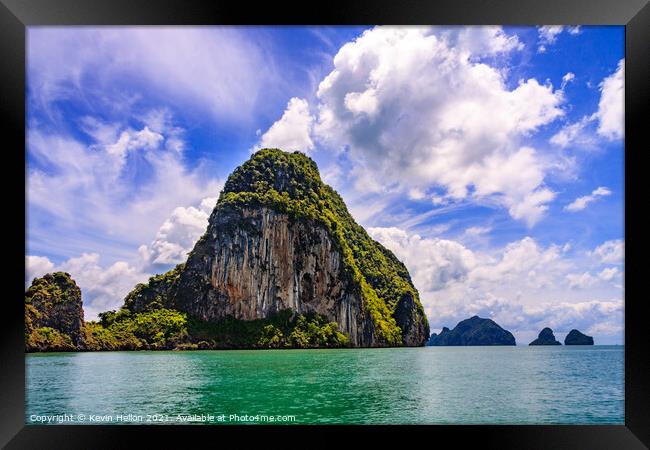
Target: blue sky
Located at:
point(489, 159)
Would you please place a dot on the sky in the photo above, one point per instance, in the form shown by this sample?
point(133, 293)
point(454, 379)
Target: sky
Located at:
point(490, 160)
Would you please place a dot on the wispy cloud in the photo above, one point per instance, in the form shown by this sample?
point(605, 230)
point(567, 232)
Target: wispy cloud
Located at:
point(581, 203)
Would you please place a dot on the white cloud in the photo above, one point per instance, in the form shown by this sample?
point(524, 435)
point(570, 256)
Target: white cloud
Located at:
point(178, 234)
point(216, 69)
point(486, 40)
point(522, 286)
point(416, 194)
point(36, 266)
point(111, 196)
point(576, 133)
point(607, 122)
point(292, 132)
point(609, 273)
point(416, 112)
point(433, 262)
point(102, 287)
point(566, 79)
point(477, 231)
point(610, 114)
point(610, 252)
point(581, 203)
point(578, 281)
point(131, 140)
point(548, 35)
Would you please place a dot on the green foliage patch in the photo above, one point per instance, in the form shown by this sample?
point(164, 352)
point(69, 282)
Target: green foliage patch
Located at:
point(155, 293)
point(49, 339)
point(281, 330)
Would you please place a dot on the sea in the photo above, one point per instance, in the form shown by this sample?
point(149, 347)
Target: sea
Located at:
point(427, 385)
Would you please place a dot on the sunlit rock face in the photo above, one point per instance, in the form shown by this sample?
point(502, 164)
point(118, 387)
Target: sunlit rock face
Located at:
point(279, 238)
point(255, 262)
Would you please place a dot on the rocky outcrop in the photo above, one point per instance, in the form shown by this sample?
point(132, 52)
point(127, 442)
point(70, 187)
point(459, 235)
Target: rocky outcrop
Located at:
point(546, 337)
point(255, 262)
point(473, 331)
point(575, 337)
point(280, 239)
point(155, 294)
point(53, 313)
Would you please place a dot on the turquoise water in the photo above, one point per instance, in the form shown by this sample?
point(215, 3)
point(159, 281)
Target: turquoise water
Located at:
point(430, 385)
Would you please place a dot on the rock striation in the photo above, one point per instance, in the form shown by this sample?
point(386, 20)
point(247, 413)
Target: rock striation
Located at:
point(575, 337)
point(546, 337)
point(473, 331)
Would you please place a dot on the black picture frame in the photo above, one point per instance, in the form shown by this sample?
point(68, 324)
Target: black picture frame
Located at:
point(16, 15)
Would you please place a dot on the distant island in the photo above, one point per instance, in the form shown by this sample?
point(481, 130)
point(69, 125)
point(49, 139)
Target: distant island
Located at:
point(282, 264)
point(473, 331)
point(546, 337)
point(577, 338)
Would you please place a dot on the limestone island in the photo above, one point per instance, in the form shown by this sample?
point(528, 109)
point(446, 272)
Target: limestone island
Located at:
point(282, 264)
point(577, 338)
point(473, 331)
point(546, 337)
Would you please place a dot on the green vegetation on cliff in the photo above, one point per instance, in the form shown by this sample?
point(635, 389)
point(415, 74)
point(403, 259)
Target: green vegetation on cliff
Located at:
point(53, 313)
point(290, 183)
point(156, 329)
point(155, 293)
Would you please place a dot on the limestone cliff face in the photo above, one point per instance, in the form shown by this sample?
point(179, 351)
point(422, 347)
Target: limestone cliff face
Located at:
point(279, 238)
point(255, 262)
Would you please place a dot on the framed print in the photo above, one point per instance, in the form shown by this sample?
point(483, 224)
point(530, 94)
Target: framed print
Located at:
point(364, 216)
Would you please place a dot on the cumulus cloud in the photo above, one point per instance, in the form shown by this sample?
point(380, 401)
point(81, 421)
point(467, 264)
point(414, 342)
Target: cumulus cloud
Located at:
point(521, 285)
point(438, 261)
point(581, 203)
point(548, 35)
point(578, 281)
point(293, 131)
point(610, 114)
point(102, 287)
point(415, 111)
point(484, 40)
point(610, 252)
point(178, 234)
point(36, 266)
